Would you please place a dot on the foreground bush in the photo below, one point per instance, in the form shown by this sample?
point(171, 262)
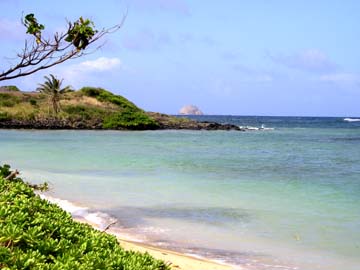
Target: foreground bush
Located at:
point(35, 234)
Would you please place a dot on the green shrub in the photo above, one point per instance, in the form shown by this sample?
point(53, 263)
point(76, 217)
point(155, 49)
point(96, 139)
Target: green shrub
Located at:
point(84, 111)
point(91, 91)
point(4, 170)
point(129, 116)
point(35, 234)
point(8, 100)
point(30, 116)
point(106, 96)
point(129, 120)
point(4, 116)
point(33, 102)
point(11, 88)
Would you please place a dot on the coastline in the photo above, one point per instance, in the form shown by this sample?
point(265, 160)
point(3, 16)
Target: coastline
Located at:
point(90, 108)
point(175, 259)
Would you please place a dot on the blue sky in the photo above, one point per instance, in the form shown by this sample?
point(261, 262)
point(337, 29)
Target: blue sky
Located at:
point(227, 57)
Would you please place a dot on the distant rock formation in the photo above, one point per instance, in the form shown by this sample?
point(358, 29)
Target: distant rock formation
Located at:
point(190, 110)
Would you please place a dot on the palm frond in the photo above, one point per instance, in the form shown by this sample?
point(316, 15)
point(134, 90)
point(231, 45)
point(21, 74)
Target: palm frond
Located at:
point(52, 88)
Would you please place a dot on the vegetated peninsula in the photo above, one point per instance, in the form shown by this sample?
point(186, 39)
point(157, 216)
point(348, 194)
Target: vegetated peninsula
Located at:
point(87, 108)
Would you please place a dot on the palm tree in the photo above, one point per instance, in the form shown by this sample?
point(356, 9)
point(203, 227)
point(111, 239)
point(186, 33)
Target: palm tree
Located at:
point(52, 88)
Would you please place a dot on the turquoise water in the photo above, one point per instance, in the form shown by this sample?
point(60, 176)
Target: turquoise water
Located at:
point(287, 198)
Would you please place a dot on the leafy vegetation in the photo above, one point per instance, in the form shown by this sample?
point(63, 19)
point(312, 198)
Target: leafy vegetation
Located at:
point(87, 108)
point(33, 27)
point(10, 88)
point(129, 120)
point(128, 116)
point(35, 234)
point(4, 116)
point(106, 96)
point(85, 112)
point(81, 33)
point(8, 100)
point(52, 88)
point(33, 102)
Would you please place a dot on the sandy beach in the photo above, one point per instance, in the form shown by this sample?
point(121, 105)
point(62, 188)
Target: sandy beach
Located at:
point(176, 260)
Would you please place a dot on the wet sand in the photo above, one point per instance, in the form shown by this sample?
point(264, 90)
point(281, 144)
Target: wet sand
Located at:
point(176, 260)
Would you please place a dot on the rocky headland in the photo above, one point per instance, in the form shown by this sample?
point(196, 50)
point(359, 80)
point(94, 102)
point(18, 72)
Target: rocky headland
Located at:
point(89, 108)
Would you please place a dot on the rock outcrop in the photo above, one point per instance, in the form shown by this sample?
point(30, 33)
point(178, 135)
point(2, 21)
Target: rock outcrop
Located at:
point(50, 123)
point(190, 110)
point(170, 122)
point(165, 122)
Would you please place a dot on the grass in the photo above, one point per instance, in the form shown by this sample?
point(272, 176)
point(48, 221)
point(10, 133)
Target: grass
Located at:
point(4, 116)
point(89, 106)
point(22, 105)
point(84, 112)
point(35, 234)
point(129, 115)
point(9, 88)
point(8, 100)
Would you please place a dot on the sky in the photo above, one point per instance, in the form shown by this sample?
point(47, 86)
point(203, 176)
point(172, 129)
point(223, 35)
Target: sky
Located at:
point(231, 57)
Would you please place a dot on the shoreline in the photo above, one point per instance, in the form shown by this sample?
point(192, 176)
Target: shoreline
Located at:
point(176, 260)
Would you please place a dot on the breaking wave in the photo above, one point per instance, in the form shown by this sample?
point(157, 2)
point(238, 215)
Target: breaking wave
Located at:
point(99, 219)
point(351, 119)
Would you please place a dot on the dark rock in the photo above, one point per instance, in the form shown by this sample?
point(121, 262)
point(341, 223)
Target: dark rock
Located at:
point(164, 121)
point(171, 122)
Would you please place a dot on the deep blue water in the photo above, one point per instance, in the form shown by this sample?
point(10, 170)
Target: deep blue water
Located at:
point(280, 121)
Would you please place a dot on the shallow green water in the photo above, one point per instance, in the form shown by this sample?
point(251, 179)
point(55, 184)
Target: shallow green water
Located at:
point(287, 198)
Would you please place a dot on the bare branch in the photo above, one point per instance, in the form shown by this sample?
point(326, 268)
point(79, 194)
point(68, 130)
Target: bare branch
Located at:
point(40, 53)
point(12, 175)
point(108, 226)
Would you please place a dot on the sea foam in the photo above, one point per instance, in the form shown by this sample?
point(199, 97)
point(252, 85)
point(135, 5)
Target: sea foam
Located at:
point(98, 219)
point(351, 119)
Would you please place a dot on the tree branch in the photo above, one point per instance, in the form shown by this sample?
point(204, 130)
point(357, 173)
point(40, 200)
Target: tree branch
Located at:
point(41, 53)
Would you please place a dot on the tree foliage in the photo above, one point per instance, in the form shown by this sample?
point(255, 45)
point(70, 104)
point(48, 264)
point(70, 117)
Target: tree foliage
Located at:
point(52, 88)
point(33, 27)
point(81, 33)
point(41, 52)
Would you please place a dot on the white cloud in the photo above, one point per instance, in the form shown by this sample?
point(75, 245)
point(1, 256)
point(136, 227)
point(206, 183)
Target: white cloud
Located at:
point(91, 66)
point(98, 65)
point(83, 73)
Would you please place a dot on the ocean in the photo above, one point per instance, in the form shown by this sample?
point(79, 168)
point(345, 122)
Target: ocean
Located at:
point(286, 197)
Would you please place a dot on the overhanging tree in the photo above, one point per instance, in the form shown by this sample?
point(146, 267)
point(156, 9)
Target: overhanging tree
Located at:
point(41, 52)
